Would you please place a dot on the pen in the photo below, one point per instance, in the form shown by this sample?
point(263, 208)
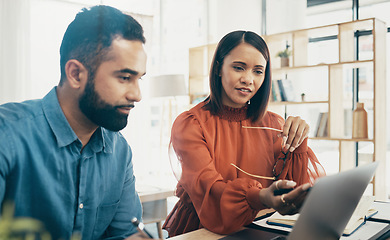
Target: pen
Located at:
point(286, 190)
point(141, 227)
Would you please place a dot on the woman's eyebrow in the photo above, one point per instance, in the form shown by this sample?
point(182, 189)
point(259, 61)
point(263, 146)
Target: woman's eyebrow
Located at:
point(243, 63)
point(240, 62)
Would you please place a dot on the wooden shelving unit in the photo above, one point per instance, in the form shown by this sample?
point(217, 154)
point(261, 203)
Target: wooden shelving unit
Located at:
point(335, 64)
point(199, 68)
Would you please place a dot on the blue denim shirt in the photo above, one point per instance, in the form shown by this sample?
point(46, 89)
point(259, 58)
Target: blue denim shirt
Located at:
point(45, 174)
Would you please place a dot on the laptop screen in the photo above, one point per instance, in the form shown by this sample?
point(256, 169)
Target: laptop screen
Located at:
point(331, 203)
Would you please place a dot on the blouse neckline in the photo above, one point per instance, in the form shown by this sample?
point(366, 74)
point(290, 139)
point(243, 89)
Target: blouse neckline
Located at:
point(233, 114)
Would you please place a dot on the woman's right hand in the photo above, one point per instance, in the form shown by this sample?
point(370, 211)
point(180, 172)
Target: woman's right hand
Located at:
point(288, 203)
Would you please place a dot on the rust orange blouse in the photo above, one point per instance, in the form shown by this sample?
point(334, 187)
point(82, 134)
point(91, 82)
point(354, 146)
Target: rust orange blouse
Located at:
point(213, 193)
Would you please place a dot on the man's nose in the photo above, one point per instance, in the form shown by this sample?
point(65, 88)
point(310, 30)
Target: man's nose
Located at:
point(134, 92)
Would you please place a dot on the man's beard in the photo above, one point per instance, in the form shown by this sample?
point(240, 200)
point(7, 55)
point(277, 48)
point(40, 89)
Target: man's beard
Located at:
point(99, 111)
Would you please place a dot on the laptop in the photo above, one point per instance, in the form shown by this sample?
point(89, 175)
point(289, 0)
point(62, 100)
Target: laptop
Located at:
point(328, 206)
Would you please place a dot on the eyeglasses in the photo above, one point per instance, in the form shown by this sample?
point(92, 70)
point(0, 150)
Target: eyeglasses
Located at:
point(279, 164)
point(276, 170)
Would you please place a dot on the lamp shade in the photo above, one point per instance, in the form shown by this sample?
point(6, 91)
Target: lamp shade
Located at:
point(168, 85)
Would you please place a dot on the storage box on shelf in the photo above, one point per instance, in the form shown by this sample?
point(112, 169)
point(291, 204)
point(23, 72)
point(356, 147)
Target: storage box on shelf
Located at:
point(330, 62)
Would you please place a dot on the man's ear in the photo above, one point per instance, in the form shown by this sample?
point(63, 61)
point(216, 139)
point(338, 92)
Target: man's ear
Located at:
point(76, 73)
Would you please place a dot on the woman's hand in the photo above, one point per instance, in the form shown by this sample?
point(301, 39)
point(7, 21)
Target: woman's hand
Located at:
point(288, 203)
point(295, 130)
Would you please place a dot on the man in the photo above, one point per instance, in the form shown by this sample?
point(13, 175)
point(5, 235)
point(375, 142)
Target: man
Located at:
point(62, 159)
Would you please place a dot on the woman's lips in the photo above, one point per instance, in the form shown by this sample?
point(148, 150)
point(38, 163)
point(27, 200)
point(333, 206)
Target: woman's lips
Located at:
point(244, 91)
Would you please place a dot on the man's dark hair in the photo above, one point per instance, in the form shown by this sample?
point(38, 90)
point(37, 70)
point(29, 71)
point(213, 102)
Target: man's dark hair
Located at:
point(89, 36)
point(259, 101)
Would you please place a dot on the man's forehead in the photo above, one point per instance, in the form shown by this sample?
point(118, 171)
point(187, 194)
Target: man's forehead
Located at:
point(130, 54)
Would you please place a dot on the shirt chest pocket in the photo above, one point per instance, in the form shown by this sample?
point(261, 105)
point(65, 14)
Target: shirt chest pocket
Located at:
point(104, 216)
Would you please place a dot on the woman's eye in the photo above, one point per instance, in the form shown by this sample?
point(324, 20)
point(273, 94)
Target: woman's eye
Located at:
point(238, 68)
point(259, 72)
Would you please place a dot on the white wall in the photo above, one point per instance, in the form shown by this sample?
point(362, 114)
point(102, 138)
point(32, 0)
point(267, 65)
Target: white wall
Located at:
point(285, 15)
point(14, 50)
point(229, 15)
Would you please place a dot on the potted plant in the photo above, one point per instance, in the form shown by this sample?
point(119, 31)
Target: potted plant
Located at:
point(23, 228)
point(284, 57)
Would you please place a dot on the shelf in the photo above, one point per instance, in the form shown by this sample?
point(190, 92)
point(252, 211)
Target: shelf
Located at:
point(351, 64)
point(342, 139)
point(297, 103)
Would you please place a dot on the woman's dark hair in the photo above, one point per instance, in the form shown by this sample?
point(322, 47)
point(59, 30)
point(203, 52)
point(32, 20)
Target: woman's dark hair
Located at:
point(258, 103)
point(89, 36)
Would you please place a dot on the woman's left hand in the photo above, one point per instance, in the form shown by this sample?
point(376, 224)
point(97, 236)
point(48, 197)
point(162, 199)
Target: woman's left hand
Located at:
point(295, 130)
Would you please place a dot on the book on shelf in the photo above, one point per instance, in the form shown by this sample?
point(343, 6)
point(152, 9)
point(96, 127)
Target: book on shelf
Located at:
point(273, 93)
point(322, 125)
point(273, 96)
point(362, 212)
point(289, 90)
point(283, 90)
point(276, 92)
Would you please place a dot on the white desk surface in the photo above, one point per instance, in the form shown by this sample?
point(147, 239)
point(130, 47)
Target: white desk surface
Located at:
point(202, 234)
point(151, 193)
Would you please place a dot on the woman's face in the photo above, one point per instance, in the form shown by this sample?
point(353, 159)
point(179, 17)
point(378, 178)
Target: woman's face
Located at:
point(242, 74)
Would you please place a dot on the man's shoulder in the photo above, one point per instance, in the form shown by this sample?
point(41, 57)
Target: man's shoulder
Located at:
point(15, 111)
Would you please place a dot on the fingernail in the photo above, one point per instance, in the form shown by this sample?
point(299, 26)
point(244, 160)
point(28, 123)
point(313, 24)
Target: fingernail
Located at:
point(305, 186)
point(292, 149)
point(291, 184)
point(284, 140)
point(287, 146)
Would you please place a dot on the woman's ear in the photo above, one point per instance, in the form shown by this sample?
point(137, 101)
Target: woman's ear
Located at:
point(76, 73)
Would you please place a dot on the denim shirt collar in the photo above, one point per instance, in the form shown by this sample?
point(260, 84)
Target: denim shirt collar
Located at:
point(64, 133)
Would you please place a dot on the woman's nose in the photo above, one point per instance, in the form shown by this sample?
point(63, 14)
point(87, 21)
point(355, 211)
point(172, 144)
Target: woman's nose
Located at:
point(247, 78)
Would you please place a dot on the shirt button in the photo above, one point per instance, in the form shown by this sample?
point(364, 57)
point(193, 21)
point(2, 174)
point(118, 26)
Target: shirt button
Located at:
point(81, 206)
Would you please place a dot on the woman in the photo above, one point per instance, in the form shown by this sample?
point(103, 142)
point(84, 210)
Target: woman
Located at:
point(230, 149)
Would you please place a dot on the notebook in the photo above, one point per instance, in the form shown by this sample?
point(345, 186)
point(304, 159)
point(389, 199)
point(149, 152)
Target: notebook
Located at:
point(362, 212)
point(329, 205)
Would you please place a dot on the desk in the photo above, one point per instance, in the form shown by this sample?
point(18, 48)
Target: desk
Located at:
point(202, 233)
point(154, 204)
point(205, 234)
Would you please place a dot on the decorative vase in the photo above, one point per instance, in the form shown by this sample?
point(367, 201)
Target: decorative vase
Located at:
point(359, 125)
point(284, 61)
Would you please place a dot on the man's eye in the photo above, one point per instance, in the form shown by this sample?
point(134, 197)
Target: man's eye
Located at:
point(125, 78)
